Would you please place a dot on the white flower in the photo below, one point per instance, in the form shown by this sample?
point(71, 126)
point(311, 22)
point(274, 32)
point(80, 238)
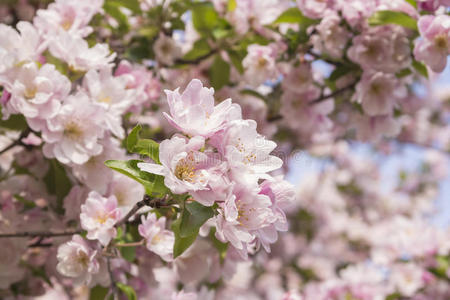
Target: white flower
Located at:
point(73, 134)
point(77, 260)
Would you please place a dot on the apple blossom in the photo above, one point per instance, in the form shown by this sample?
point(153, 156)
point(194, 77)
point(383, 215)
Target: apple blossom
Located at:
point(73, 134)
point(379, 92)
point(71, 16)
point(78, 260)
point(37, 92)
point(194, 113)
point(76, 52)
point(434, 47)
point(158, 239)
point(260, 64)
point(98, 216)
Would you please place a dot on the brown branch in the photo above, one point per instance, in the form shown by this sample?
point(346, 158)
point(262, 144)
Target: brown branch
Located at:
point(17, 142)
point(147, 201)
point(333, 94)
point(38, 233)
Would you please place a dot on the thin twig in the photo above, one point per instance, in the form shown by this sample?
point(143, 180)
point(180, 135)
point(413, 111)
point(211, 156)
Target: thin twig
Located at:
point(333, 94)
point(147, 201)
point(17, 142)
point(39, 233)
point(134, 244)
point(111, 278)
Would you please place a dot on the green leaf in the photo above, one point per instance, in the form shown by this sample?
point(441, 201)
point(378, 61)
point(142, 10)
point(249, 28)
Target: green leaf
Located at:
point(181, 243)
point(420, 68)
point(231, 5)
point(113, 9)
point(149, 148)
point(204, 17)
point(133, 138)
point(132, 5)
point(193, 217)
point(14, 122)
point(127, 290)
point(403, 73)
point(57, 182)
point(384, 17)
point(199, 49)
point(128, 253)
point(153, 184)
point(291, 15)
point(412, 2)
point(98, 292)
point(236, 58)
point(219, 72)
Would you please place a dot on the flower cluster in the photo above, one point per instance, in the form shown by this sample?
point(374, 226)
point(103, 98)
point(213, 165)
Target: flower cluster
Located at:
point(220, 160)
point(111, 188)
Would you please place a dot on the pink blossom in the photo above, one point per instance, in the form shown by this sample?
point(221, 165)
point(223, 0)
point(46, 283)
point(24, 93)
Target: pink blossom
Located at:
point(434, 47)
point(138, 78)
point(88, 172)
point(184, 167)
point(382, 48)
point(314, 9)
point(76, 53)
point(373, 128)
point(77, 259)
point(37, 92)
point(73, 134)
point(281, 194)
point(110, 94)
point(356, 12)
point(194, 113)
point(247, 151)
point(166, 50)
point(332, 38)
point(379, 92)
point(98, 216)
point(17, 48)
point(260, 64)
point(72, 16)
point(407, 278)
point(241, 215)
point(158, 239)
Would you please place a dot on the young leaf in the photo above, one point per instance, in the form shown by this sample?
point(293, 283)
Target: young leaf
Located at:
point(98, 292)
point(204, 17)
point(193, 217)
point(133, 138)
point(219, 73)
point(57, 182)
point(199, 49)
point(291, 15)
point(153, 184)
point(127, 290)
point(149, 148)
point(181, 243)
point(384, 17)
point(420, 68)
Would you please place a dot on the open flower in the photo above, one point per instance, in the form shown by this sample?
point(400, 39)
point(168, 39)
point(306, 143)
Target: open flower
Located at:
point(98, 216)
point(184, 167)
point(77, 259)
point(434, 47)
point(158, 239)
point(194, 113)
